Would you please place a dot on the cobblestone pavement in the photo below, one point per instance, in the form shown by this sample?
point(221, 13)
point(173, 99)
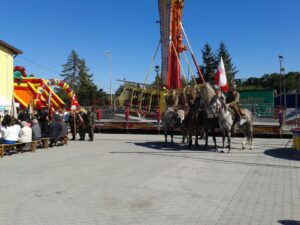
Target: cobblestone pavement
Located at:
point(133, 179)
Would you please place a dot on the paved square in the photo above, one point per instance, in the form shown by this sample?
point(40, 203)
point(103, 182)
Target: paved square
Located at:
point(132, 179)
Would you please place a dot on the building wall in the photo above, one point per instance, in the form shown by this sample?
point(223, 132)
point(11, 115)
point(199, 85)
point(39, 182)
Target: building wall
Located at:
point(6, 74)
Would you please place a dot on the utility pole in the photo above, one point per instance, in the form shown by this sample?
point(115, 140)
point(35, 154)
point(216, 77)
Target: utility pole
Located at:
point(108, 53)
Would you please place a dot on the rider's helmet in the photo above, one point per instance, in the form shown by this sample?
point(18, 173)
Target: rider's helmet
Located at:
point(217, 88)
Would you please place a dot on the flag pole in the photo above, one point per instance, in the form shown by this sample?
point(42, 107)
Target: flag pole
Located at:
point(193, 57)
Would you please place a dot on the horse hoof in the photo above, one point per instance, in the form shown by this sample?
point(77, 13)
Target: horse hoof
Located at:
point(222, 151)
point(251, 148)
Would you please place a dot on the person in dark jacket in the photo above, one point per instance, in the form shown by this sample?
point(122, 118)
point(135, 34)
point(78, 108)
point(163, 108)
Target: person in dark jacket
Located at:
point(54, 131)
point(6, 119)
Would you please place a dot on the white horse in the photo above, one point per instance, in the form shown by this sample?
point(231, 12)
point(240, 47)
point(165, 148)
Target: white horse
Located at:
point(171, 119)
point(226, 118)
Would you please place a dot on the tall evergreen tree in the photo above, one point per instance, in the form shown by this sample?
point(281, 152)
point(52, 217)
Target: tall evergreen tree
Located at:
point(70, 71)
point(87, 90)
point(209, 62)
point(230, 69)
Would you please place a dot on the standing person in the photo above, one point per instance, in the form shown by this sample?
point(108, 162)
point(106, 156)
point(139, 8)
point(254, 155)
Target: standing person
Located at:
point(233, 100)
point(83, 120)
point(90, 124)
point(73, 123)
point(65, 116)
point(23, 116)
point(43, 119)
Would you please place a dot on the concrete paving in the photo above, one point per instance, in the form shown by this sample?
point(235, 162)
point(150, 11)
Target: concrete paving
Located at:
point(134, 179)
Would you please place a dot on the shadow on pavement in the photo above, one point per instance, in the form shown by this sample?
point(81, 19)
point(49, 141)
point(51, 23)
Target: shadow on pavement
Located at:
point(289, 222)
point(283, 153)
point(156, 145)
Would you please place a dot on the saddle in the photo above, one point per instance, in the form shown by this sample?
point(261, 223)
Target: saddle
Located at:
point(242, 111)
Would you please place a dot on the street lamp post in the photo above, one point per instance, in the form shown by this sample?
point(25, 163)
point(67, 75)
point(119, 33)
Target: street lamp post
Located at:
point(108, 53)
point(280, 76)
point(156, 69)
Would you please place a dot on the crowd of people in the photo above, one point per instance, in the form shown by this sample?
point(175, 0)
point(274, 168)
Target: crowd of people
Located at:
point(28, 127)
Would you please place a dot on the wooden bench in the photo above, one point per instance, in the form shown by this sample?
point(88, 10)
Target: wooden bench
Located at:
point(63, 140)
point(45, 142)
point(18, 145)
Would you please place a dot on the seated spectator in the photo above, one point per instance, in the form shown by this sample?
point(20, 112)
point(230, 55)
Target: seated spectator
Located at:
point(25, 135)
point(54, 131)
point(64, 129)
point(6, 119)
point(1, 133)
point(36, 130)
point(11, 132)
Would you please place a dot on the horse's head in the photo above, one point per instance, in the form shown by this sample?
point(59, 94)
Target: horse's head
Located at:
point(217, 106)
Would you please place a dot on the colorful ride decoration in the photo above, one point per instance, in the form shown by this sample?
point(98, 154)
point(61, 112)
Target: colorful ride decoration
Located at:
point(37, 92)
point(170, 12)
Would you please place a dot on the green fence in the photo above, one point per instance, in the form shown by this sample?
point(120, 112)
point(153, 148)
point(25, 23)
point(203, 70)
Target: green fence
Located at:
point(259, 102)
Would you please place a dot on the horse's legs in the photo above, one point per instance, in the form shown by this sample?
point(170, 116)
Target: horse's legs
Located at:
point(206, 137)
point(251, 139)
point(215, 140)
point(196, 138)
point(190, 138)
point(229, 140)
point(172, 134)
point(223, 140)
point(166, 137)
point(244, 142)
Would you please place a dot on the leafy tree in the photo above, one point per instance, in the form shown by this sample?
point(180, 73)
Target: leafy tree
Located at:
point(230, 69)
point(209, 62)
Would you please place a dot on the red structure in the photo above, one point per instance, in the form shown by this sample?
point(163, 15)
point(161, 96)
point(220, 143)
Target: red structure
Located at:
point(171, 41)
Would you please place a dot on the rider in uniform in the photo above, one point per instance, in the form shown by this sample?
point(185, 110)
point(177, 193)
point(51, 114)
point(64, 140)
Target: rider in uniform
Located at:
point(73, 125)
point(233, 100)
point(82, 124)
point(218, 92)
point(91, 117)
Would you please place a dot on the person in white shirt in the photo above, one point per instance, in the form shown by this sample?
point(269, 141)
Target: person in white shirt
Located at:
point(11, 132)
point(26, 133)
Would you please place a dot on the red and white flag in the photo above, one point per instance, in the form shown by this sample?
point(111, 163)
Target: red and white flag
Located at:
point(221, 79)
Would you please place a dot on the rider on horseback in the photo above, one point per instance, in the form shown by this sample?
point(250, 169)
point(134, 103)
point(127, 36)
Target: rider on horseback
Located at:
point(233, 100)
point(218, 92)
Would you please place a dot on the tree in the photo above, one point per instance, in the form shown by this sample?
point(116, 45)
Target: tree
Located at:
point(230, 69)
point(209, 62)
point(70, 71)
point(87, 90)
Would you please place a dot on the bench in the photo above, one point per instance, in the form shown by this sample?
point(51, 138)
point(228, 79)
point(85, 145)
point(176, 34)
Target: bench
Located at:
point(63, 140)
point(18, 145)
point(45, 142)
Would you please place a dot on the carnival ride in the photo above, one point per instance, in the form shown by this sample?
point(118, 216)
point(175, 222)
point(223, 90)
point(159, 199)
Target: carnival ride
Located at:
point(37, 93)
point(147, 99)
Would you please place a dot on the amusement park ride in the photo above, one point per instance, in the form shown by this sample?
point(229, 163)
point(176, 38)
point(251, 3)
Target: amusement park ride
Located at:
point(37, 93)
point(148, 99)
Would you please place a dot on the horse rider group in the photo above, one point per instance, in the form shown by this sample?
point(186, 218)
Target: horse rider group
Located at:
point(233, 101)
point(82, 122)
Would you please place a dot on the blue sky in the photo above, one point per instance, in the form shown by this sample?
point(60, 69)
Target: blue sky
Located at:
point(255, 32)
